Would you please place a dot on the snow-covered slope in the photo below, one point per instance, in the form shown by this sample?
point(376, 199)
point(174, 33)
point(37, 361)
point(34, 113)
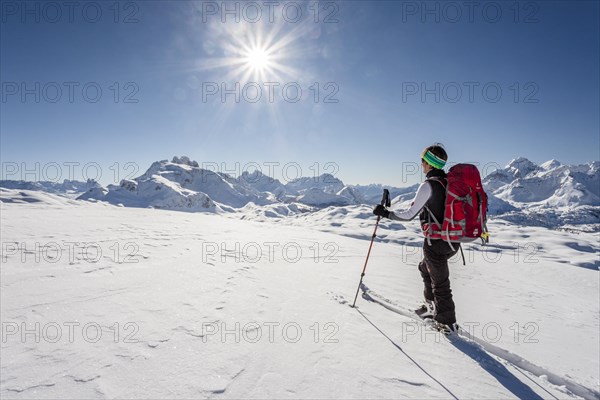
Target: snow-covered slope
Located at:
point(40, 197)
point(160, 304)
point(68, 188)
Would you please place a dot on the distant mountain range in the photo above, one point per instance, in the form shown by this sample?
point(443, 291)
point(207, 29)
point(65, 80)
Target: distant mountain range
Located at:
point(68, 188)
point(550, 194)
point(180, 184)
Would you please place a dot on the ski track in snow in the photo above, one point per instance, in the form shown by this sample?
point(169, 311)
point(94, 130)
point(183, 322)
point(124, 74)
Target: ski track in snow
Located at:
point(505, 355)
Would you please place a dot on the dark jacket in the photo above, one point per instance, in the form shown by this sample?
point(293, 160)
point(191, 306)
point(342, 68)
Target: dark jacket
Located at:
point(437, 202)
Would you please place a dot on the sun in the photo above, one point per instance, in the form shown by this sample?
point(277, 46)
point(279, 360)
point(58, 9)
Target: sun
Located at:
point(258, 59)
point(252, 53)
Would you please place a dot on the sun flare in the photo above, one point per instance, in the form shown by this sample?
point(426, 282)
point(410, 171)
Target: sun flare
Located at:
point(254, 53)
point(258, 59)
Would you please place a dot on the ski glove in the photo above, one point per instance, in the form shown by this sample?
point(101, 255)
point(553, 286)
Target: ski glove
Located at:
point(381, 211)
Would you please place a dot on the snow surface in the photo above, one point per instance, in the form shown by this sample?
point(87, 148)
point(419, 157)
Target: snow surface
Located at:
point(189, 279)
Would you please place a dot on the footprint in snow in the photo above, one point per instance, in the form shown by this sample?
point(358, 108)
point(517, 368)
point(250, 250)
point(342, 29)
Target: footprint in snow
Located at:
point(155, 343)
point(338, 297)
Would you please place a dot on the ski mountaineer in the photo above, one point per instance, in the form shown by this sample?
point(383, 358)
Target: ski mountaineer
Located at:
point(430, 198)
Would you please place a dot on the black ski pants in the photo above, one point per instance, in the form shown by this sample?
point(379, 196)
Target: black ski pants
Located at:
point(436, 278)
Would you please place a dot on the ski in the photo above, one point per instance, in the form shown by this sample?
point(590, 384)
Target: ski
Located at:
point(430, 323)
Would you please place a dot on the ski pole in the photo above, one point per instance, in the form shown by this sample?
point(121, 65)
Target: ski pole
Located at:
point(385, 201)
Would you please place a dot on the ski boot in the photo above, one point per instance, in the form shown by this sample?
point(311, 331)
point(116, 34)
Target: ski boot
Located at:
point(446, 329)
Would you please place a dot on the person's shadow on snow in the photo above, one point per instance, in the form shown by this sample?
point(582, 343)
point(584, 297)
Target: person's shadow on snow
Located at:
point(497, 370)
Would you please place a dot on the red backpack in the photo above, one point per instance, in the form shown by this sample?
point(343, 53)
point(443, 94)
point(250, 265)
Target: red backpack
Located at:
point(465, 214)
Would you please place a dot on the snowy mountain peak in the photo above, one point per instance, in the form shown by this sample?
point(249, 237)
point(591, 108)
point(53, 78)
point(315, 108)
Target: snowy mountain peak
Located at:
point(551, 164)
point(521, 166)
point(256, 176)
point(185, 161)
point(182, 185)
point(552, 194)
point(325, 182)
point(328, 178)
point(261, 182)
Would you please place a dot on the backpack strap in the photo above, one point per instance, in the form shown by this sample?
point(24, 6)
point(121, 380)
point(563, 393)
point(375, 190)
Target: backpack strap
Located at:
point(461, 253)
point(429, 213)
point(440, 181)
point(432, 216)
point(436, 179)
point(429, 217)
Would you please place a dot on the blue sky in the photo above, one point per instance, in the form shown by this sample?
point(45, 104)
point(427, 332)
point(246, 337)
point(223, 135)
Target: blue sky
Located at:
point(374, 58)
